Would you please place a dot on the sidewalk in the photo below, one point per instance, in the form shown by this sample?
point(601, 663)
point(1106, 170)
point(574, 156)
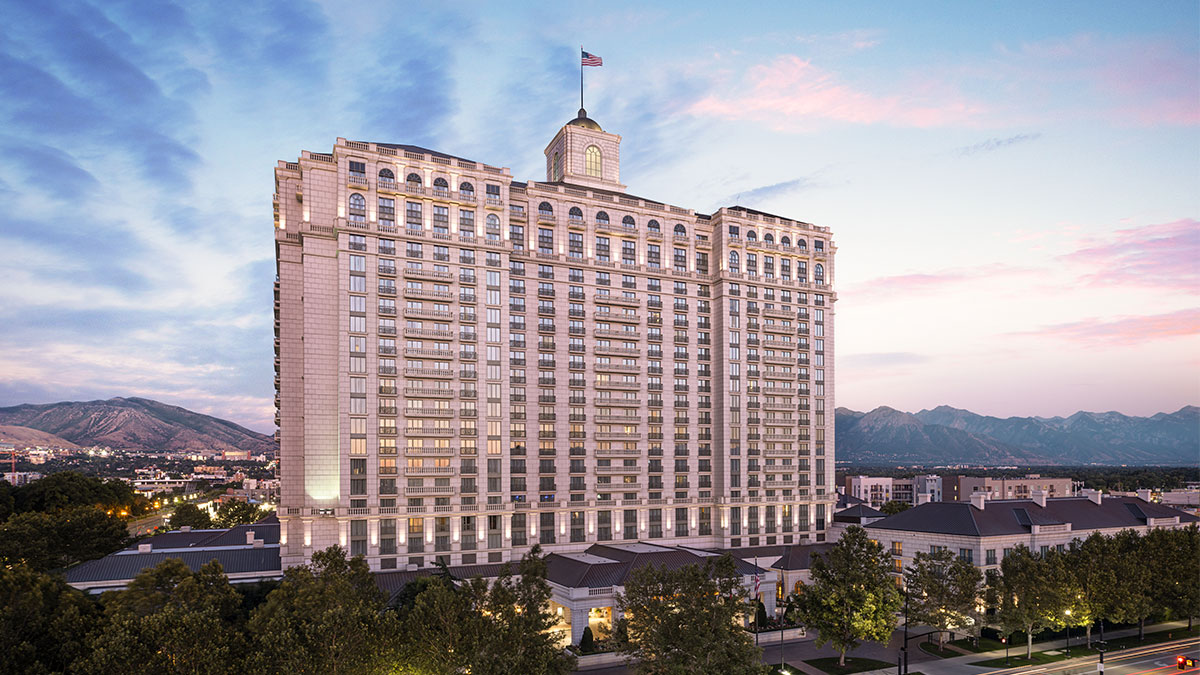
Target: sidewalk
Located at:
point(961, 664)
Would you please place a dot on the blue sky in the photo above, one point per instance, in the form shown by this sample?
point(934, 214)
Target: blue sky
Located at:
point(1012, 186)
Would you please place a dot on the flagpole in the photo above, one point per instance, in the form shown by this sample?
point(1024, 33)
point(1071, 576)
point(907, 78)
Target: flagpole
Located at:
point(581, 77)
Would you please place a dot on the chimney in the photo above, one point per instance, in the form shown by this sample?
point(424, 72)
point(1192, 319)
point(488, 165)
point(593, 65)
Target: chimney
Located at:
point(1094, 495)
point(1144, 495)
point(924, 498)
point(249, 536)
point(257, 543)
point(145, 548)
point(978, 499)
point(186, 528)
point(1039, 497)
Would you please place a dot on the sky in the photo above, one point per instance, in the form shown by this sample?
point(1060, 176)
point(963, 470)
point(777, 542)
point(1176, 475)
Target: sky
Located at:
point(1012, 187)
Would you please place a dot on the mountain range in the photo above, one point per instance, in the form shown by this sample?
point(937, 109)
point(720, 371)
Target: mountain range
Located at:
point(885, 436)
point(128, 424)
point(946, 435)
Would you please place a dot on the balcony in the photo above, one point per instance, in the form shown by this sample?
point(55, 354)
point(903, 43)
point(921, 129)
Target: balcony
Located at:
point(427, 274)
point(616, 300)
point(428, 372)
point(428, 392)
point(622, 334)
point(428, 412)
point(423, 313)
point(621, 470)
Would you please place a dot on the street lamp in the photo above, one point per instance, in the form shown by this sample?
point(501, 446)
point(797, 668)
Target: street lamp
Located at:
point(1068, 613)
point(1005, 641)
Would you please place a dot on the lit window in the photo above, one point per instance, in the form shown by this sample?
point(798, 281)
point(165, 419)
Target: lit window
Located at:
point(592, 161)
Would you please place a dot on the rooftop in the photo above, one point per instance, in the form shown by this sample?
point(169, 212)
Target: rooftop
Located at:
point(1017, 516)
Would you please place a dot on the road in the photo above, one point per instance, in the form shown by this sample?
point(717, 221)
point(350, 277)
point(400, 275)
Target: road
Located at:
point(1150, 660)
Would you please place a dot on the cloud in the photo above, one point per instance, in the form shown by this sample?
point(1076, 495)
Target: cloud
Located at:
point(792, 94)
point(846, 41)
point(1160, 256)
point(44, 166)
point(769, 192)
point(910, 284)
point(882, 359)
point(1124, 331)
point(993, 144)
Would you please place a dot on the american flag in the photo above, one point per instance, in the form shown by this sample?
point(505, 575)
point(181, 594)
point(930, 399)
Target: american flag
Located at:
point(592, 60)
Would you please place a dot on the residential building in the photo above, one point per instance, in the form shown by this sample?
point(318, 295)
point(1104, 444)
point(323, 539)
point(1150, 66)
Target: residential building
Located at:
point(468, 365)
point(959, 488)
point(984, 530)
point(874, 490)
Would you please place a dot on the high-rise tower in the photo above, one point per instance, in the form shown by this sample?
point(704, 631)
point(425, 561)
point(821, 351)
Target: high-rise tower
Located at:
point(467, 365)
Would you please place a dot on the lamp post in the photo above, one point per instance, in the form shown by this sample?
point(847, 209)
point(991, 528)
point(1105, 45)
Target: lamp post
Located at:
point(1005, 641)
point(904, 647)
point(1068, 613)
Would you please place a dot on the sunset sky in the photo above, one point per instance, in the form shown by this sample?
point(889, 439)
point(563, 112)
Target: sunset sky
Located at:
point(1013, 188)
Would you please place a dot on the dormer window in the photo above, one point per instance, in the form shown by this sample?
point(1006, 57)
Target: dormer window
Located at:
point(592, 162)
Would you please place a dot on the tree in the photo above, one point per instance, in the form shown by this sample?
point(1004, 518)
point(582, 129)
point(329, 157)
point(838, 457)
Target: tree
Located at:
point(7, 501)
point(326, 617)
point(48, 541)
point(1089, 568)
point(234, 513)
point(170, 620)
point(893, 507)
point(587, 643)
point(1174, 555)
point(1133, 592)
point(853, 596)
point(66, 489)
point(485, 629)
point(943, 591)
point(190, 515)
point(1027, 596)
point(687, 620)
point(43, 622)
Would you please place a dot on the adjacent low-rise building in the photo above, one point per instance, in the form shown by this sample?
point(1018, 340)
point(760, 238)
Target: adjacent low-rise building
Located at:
point(958, 488)
point(983, 530)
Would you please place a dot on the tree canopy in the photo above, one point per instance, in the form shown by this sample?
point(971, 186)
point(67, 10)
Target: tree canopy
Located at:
point(234, 513)
point(687, 620)
point(943, 591)
point(192, 516)
point(853, 596)
point(49, 541)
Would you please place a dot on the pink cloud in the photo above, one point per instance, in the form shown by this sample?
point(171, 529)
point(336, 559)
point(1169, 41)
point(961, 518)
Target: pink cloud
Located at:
point(908, 284)
point(1163, 255)
point(791, 93)
point(1125, 331)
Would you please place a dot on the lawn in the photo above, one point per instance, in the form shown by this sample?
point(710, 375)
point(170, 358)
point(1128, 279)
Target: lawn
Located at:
point(853, 665)
point(985, 644)
point(1078, 649)
point(932, 648)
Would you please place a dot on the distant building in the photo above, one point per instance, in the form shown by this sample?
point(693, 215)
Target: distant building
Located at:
point(21, 477)
point(878, 490)
point(874, 490)
point(958, 488)
point(983, 531)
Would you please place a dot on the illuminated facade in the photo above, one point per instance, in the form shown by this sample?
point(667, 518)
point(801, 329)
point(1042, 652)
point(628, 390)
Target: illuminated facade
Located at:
point(467, 365)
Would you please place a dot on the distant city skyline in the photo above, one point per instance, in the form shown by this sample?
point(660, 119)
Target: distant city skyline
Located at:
point(1013, 192)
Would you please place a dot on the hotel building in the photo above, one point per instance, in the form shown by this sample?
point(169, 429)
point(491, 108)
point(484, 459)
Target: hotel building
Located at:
point(467, 365)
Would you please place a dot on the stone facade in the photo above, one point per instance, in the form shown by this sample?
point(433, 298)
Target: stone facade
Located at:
point(467, 365)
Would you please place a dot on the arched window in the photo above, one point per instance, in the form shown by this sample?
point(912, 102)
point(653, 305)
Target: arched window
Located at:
point(386, 174)
point(592, 161)
point(769, 238)
point(785, 240)
point(734, 261)
point(413, 178)
point(801, 244)
point(601, 218)
point(628, 222)
point(819, 273)
point(441, 183)
point(466, 189)
point(575, 213)
point(493, 220)
point(751, 235)
point(556, 168)
point(798, 589)
point(653, 226)
point(545, 209)
point(358, 208)
point(680, 230)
